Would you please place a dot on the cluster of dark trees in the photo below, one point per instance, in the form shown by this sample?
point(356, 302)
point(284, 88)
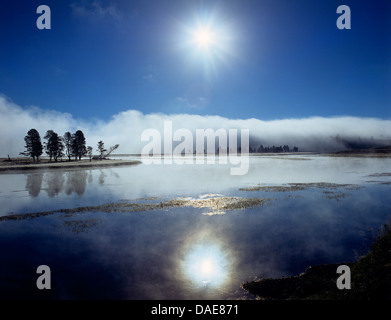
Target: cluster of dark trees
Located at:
point(55, 146)
point(273, 149)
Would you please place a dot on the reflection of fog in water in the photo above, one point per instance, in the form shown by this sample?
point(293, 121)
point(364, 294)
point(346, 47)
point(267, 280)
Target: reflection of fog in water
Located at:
point(90, 179)
point(189, 180)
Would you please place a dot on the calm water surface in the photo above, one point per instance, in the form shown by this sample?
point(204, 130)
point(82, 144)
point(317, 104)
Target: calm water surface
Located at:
point(184, 252)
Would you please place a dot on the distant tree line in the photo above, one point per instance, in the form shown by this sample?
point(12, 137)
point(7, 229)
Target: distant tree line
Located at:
point(56, 147)
point(273, 149)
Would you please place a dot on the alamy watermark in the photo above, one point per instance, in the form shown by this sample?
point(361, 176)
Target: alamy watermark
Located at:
point(178, 147)
point(344, 281)
point(44, 20)
point(44, 280)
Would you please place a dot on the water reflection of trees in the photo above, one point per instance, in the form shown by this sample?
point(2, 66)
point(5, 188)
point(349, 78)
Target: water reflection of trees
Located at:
point(103, 175)
point(55, 181)
point(76, 182)
point(34, 183)
point(58, 181)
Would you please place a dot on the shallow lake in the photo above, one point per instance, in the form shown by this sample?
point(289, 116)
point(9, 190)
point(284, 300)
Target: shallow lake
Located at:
point(186, 231)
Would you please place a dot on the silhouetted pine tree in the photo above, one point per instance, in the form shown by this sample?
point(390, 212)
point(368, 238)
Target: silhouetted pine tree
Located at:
point(33, 145)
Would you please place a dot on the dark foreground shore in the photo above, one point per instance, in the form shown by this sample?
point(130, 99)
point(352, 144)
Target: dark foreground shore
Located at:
point(21, 164)
point(378, 152)
point(370, 278)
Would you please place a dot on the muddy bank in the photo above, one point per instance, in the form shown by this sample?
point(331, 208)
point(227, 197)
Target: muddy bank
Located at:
point(314, 283)
point(370, 278)
point(22, 164)
point(301, 186)
point(215, 205)
point(378, 152)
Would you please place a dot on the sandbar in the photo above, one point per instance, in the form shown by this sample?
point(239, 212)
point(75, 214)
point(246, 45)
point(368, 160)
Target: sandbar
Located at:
point(23, 164)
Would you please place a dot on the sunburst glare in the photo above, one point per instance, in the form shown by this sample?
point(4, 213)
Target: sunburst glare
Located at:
point(204, 38)
point(208, 43)
point(206, 265)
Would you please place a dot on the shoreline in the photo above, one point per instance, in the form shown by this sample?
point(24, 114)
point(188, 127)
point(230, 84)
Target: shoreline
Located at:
point(18, 165)
point(371, 278)
point(23, 164)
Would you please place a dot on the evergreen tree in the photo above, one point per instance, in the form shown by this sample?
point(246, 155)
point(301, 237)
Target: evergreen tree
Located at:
point(68, 144)
point(79, 145)
point(89, 152)
point(54, 146)
point(101, 149)
point(33, 145)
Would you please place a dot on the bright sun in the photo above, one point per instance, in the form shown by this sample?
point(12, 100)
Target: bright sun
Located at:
point(204, 38)
point(208, 43)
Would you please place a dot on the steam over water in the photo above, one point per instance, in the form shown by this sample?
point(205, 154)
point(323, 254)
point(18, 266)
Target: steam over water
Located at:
point(185, 231)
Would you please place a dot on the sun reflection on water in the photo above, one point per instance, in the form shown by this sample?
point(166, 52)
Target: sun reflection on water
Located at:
point(206, 265)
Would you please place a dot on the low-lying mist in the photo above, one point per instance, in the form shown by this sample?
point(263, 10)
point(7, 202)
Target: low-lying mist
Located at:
point(318, 134)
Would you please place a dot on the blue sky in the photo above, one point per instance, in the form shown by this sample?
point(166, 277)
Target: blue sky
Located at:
point(271, 59)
